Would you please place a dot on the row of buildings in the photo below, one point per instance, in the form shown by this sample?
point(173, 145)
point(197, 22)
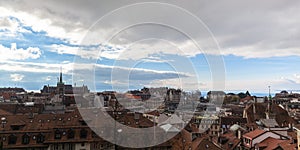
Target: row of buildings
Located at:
point(73, 118)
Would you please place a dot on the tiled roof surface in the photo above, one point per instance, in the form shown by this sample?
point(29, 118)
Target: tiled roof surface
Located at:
point(281, 116)
point(270, 143)
point(232, 141)
point(254, 134)
point(207, 144)
point(269, 123)
point(34, 124)
point(232, 120)
point(288, 145)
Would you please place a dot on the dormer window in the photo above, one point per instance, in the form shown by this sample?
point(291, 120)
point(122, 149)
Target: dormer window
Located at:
point(57, 134)
point(25, 139)
point(83, 133)
point(247, 141)
point(71, 134)
point(12, 139)
point(40, 138)
point(16, 126)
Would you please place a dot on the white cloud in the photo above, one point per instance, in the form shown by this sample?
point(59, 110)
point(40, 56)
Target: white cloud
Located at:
point(13, 53)
point(269, 29)
point(259, 52)
point(16, 77)
point(47, 24)
point(134, 51)
point(69, 68)
point(9, 27)
point(186, 84)
point(297, 77)
point(88, 52)
point(11, 66)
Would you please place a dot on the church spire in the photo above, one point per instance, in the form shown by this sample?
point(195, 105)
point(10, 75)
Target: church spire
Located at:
point(60, 77)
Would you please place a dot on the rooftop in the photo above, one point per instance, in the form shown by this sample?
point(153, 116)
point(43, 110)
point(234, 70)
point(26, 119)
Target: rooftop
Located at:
point(254, 134)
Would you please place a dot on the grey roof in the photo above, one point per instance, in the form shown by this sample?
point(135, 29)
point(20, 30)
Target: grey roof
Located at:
point(169, 128)
point(174, 119)
point(235, 127)
point(270, 123)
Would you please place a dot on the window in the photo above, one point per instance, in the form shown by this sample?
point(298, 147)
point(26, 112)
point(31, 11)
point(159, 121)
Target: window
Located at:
point(82, 144)
point(83, 133)
point(16, 127)
point(40, 138)
point(247, 141)
point(57, 134)
point(70, 147)
point(12, 139)
point(25, 139)
point(71, 134)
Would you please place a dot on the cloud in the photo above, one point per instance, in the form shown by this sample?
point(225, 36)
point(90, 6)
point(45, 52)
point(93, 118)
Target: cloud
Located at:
point(88, 52)
point(34, 67)
point(13, 53)
point(187, 84)
point(295, 79)
point(102, 72)
point(16, 77)
point(242, 28)
point(269, 29)
point(41, 20)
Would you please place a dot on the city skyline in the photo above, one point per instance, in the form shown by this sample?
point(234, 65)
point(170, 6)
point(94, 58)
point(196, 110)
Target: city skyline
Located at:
point(259, 46)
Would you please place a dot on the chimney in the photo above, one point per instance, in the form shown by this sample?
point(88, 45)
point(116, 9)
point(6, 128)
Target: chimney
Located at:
point(230, 145)
point(267, 115)
point(298, 138)
point(239, 134)
point(290, 126)
point(254, 109)
point(136, 116)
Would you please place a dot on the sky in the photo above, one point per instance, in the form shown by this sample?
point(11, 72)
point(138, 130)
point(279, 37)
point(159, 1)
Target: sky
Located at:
point(108, 45)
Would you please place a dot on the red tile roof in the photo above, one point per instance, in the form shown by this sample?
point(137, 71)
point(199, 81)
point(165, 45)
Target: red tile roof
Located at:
point(270, 143)
point(288, 145)
point(4, 112)
point(281, 116)
point(254, 134)
point(231, 140)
